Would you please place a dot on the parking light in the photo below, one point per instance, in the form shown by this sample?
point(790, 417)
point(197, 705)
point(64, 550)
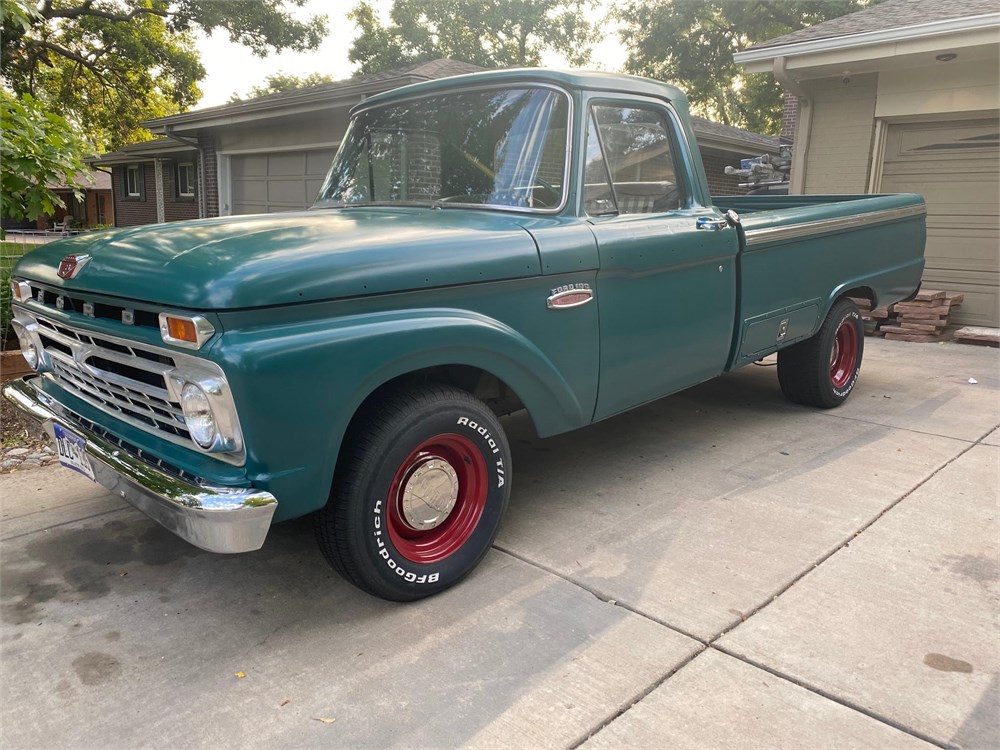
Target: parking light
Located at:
point(186, 331)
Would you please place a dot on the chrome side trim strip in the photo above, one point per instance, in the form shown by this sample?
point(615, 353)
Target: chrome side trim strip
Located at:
point(217, 519)
point(765, 235)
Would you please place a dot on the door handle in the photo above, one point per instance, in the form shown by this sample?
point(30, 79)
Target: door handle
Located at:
point(729, 219)
point(712, 225)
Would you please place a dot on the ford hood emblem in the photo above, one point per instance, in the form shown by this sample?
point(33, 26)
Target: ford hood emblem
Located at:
point(71, 265)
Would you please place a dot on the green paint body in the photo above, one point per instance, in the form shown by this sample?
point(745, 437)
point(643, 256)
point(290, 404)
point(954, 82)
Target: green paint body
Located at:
point(315, 310)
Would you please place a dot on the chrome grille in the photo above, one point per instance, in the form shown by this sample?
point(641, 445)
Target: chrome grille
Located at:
point(125, 379)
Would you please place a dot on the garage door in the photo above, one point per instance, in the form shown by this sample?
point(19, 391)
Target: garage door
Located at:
point(956, 167)
point(283, 181)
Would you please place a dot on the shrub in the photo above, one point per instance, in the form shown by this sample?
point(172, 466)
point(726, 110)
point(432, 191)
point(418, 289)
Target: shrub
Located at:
point(6, 332)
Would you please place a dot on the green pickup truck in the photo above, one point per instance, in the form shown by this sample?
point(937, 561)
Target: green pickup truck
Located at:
point(521, 239)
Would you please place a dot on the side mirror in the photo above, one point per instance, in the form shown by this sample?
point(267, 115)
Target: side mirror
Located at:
point(732, 217)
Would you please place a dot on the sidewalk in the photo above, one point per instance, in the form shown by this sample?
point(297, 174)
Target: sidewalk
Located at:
point(718, 569)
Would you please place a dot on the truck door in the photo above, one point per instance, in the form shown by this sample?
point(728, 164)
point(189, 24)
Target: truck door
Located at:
point(666, 288)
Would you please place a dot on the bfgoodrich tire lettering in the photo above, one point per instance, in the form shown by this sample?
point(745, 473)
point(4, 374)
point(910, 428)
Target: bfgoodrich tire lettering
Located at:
point(419, 494)
point(823, 370)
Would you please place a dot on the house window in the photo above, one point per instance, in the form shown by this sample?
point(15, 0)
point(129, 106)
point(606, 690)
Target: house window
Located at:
point(185, 180)
point(133, 188)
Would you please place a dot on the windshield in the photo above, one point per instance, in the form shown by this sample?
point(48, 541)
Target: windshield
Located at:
point(496, 147)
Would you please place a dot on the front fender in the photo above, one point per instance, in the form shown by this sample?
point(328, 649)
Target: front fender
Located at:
point(298, 385)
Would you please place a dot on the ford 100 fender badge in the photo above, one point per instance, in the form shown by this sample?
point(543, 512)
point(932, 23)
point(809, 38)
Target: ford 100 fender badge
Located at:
point(71, 265)
point(569, 295)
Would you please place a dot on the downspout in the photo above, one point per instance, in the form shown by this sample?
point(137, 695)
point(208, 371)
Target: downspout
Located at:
point(193, 142)
point(803, 126)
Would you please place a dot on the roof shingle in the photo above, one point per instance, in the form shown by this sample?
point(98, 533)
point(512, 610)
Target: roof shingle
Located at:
point(891, 14)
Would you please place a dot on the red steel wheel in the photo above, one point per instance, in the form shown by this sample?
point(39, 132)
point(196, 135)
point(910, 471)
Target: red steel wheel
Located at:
point(823, 370)
point(436, 498)
point(844, 356)
point(419, 492)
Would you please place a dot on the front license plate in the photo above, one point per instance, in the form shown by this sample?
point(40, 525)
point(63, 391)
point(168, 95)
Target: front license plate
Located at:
point(72, 451)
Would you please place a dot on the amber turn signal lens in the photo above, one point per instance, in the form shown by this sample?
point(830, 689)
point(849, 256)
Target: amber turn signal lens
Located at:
point(182, 329)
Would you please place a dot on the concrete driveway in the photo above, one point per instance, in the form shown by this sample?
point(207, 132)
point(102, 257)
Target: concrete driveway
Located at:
point(718, 569)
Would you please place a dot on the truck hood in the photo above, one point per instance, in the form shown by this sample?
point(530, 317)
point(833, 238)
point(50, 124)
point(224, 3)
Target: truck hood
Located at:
point(254, 261)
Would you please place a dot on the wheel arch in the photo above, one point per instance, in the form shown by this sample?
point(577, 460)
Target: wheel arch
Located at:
point(857, 292)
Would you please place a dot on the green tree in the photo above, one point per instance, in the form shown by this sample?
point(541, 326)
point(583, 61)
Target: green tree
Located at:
point(36, 147)
point(691, 43)
point(107, 65)
point(281, 82)
point(491, 33)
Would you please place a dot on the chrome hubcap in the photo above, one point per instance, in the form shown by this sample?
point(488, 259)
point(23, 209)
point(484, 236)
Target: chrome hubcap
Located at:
point(430, 494)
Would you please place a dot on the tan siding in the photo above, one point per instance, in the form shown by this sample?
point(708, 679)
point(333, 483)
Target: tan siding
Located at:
point(939, 89)
point(840, 140)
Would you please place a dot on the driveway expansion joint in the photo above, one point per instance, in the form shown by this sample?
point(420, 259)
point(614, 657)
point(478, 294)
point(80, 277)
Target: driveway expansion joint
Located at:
point(854, 535)
point(640, 696)
point(897, 428)
point(832, 697)
point(598, 595)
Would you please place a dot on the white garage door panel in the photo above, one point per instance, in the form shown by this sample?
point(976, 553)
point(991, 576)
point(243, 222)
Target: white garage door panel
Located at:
point(955, 166)
point(250, 191)
point(248, 166)
point(961, 250)
point(318, 162)
point(283, 181)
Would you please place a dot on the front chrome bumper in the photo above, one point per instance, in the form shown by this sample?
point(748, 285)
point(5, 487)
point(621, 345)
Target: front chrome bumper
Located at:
point(217, 519)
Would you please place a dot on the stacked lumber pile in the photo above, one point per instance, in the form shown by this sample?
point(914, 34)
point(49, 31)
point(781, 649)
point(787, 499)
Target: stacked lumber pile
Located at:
point(923, 318)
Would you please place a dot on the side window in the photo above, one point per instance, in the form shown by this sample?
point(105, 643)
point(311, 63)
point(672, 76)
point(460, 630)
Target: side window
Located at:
point(598, 199)
point(638, 154)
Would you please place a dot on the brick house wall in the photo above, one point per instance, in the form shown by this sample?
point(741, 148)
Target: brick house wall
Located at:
point(210, 173)
point(130, 212)
point(719, 183)
point(789, 118)
point(175, 207)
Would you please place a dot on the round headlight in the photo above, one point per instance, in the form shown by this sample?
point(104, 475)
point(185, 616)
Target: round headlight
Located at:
point(198, 415)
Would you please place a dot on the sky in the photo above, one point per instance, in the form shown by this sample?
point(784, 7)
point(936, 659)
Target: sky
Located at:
point(232, 68)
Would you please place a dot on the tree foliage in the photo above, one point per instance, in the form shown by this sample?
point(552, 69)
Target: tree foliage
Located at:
point(107, 65)
point(491, 33)
point(692, 42)
point(281, 82)
point(36, 147)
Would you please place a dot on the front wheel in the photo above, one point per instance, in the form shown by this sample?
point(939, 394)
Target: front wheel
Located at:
point(821, 371)
point(419, 494)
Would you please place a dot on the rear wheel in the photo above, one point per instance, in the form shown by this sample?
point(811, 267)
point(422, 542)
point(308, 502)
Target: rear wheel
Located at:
point(823, 370)
point(419, 494)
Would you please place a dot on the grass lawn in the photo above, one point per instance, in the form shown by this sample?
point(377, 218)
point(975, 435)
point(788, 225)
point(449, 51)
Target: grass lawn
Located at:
point(10, 252)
